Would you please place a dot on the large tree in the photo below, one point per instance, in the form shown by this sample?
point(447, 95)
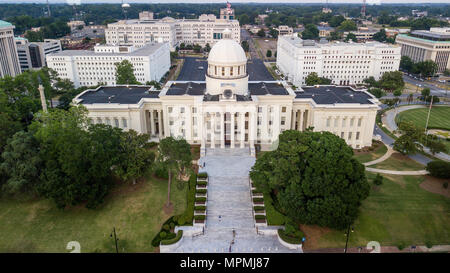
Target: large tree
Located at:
point(348, 25)
point(314, 79)
point(427, 68)
point(175, 156)
point(408, 142)
point(21, 164)
point(78, 157)
point(392, 80)
point(314, 178)
point(310, 32)
point(125, 73)
point(136, 158)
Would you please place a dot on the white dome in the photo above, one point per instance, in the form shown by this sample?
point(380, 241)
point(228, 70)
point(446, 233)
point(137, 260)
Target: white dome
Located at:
point(227, 52)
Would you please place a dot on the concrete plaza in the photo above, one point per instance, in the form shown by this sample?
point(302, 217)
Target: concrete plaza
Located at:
point(230, 226)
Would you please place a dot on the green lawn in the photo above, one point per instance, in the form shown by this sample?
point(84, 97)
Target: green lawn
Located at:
point(399, 162)
point(135, 211)
point(398, 213)
point(365, 156)
point(439, 117)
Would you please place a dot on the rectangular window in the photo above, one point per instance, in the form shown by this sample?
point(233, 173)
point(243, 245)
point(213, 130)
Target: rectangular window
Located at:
point(283, 120)
point(357, 135)
point(169, 109)
point(351, 122)
point(231, 71)
point(182, 110)
point(342, 134)
point(349, 135)
point(335, 122)
point(343, 122)
point(194, 110)
point(328, 122)
point(359, 122)
point(116, 122)
point(124, 122)
point(283, 109)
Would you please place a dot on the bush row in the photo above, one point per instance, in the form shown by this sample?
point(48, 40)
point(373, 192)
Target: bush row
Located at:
point(201, 191)
point(173, 240)
point(202, 175)
point(200, 217)
point(288, 238)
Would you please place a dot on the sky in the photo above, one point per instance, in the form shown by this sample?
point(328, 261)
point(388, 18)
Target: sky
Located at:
point(223, 1)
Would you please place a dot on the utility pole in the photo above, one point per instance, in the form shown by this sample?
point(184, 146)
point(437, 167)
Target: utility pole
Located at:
point(348, 235)
point(363, 9)
point(115, 239)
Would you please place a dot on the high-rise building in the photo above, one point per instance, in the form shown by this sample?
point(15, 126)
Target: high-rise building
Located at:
point(88, 68)
point(423, 45)
point(343, 63)
point(9, 60)
point(32, 55)
point(207, 29)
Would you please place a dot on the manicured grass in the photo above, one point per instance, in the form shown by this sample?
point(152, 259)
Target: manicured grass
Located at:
point(399, 162)
point(399, 212)
point(439, 117)
point(135, 211)
point(366, 156)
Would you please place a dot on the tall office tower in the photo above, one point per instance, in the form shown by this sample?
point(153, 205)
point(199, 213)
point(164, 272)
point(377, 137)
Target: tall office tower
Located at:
point(9, 60)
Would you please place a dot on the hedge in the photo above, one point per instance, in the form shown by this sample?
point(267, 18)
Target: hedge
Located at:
point(289, 239)
point(174, 239)
point(258, 199)
point(274, 217)
point(200, 199)
point(201, 191)
point(440, 169)
point(260, 217)
point(202, 183)
point(200, 217)
point(200, 208)
point(202, 175)
point(256, 192)
point(258, 208)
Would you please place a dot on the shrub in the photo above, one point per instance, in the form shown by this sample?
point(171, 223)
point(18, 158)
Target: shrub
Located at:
point(161, 172)
point(274, 217)
point(173, 240)
point(156, 240)
point(202, 175)
point(172, 225)
point(255, 191)
point(200, 199)
point(199, 217)
point(258, 208)
point(428, 244)
point(440, 169)
point(200, 208)
point(401, 245)
point(378, 180)
point(258, 199)
point(260, 217)
point(166, 227)
point(201, 191)
point(202, 183)
point(162, 234)
point(290, 239)
point(152, 144)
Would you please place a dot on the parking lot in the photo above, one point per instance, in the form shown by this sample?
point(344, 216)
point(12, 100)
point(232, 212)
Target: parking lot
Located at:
point(191, 72)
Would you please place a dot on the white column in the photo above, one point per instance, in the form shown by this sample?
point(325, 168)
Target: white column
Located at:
point(294, 118)
point(152, 122)
point(265, 123)
point(242, 128)
point(188, 123)
point(251, 128)
point(222, 130)
point(166, 123)
point(277, 122)
point(160, 124)
point(232, 130)
point(213, 131)
point(300, 124)
point(200, 129)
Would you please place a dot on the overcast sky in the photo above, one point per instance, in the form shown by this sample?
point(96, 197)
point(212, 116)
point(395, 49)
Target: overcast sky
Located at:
point(223, 1)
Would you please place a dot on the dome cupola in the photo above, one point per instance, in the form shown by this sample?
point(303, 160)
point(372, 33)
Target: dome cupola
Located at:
point(227, 66)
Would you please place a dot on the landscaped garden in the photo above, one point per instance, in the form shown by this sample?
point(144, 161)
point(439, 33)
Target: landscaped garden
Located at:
point(136, 211)
point(398, 213)
point(439, 117)
point(367, 154)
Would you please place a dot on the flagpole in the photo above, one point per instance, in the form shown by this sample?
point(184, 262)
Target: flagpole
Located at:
point(428, 118)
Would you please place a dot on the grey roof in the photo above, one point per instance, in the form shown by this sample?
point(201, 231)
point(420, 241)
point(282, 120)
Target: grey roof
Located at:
point(264, 88)
point(146, 50)
point(426, 34)
point(118, 94)
point(188, 88)
point(333, 94)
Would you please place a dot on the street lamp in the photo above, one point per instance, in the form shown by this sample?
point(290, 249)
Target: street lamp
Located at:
point(348, 235)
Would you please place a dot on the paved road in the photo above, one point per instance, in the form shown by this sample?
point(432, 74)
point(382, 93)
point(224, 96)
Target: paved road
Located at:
point(436, 91)
point(229, 208)
point(190, 71)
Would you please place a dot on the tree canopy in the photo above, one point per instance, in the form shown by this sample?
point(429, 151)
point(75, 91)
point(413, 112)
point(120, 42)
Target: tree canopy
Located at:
point(125, 73)
point(314, 178)
point(314, 79)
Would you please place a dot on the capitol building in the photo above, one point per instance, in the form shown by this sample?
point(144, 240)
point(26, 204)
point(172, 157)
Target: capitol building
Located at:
point(229, 111)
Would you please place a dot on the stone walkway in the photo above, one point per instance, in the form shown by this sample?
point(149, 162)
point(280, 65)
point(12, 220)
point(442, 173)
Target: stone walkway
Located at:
point(229, 208)
point(388, 154)
point(421, 172)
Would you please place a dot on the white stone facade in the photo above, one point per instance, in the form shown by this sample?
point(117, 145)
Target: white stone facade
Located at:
point(89, 68)
point(343, 63)
point(9, 60)
point(223, 114)
point(205, 30)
